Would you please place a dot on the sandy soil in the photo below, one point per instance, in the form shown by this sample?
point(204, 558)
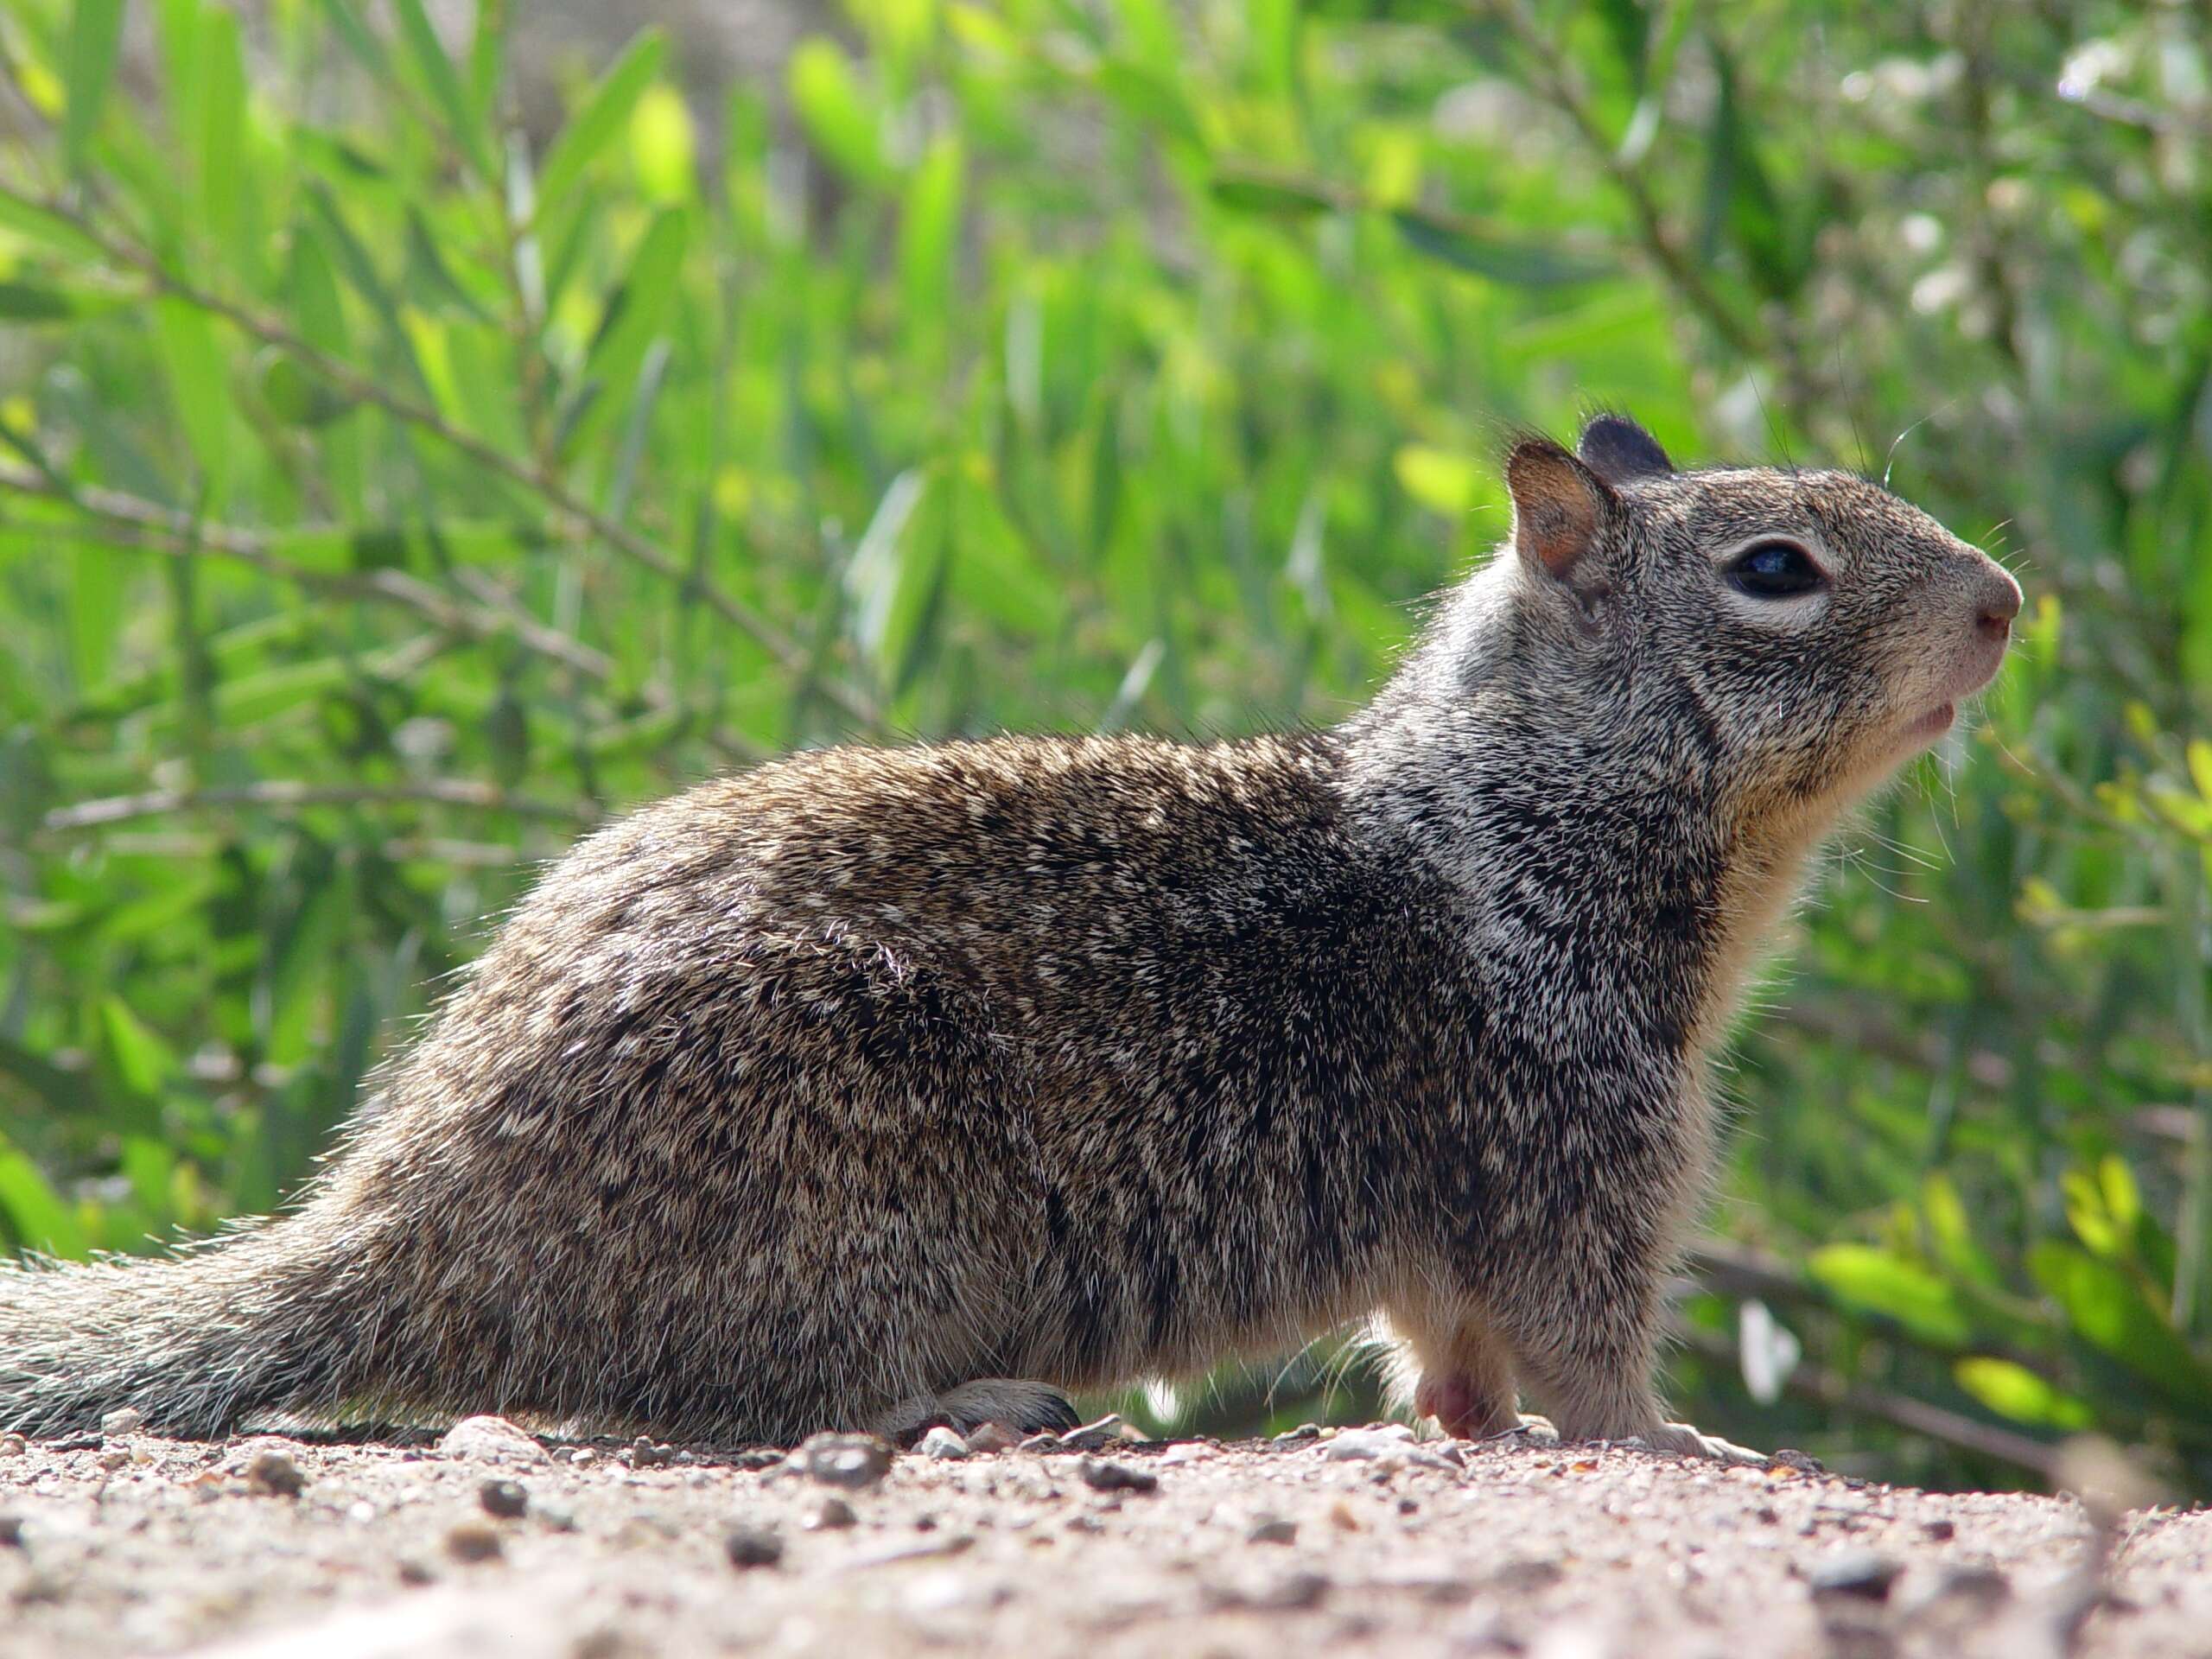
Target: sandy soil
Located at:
point(268, 1547)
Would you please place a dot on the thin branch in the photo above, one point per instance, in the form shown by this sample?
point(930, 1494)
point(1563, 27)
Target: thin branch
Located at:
point(1915, 1416)
point(132, 521)
point(1558, 82)
point(289, 794)
point(639, 549)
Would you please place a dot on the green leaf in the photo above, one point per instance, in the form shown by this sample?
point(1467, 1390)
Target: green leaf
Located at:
point(429, 278)
point(1521, 263)
point(881, 576)
point(1282, 198)
point(345, 22)
point(1877, 1282)
point(63, 1092)
point(95, 31)
point(1153, 99)
point(442, 81)
point(1439, 480)
point(928, 230)
point(33, 1212)
point(1740, 198)
point(44, 225)
point(296, 397)
point(634, 314)
point(601, 118)
point(838, 115)
point(664, 147)
point(141, 1059)
point(2012, 1391)
point(197, 386)
point(2106, 1308)
point(37, 303)
point(1628, 27)
point(222, 125)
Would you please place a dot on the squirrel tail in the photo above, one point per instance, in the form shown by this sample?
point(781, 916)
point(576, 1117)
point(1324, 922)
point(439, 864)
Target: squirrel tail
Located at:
point(264, 1319)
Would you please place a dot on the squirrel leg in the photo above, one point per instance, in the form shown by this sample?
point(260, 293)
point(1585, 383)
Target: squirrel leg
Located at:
point(1588, 1349)
point(1458, 1371)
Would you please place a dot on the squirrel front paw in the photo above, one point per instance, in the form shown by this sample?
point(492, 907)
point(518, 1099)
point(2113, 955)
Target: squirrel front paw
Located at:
point(1685, 1440)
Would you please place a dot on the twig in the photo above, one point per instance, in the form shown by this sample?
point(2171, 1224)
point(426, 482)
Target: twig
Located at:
point(1916, 1416)
point(439, 791)
point(639, 549)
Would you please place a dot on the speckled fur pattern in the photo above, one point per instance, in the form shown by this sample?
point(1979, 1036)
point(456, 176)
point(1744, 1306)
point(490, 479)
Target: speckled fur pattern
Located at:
point(843, 1084)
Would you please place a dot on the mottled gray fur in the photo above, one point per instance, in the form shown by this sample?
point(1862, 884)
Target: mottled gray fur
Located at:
point(875, 1087)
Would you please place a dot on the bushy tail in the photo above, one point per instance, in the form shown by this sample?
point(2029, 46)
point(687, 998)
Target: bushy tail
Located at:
point(267, 1320)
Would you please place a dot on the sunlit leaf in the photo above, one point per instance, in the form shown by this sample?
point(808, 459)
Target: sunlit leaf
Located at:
point(2012, 1391)
point(837, 115)
point(1876, 1281)
point(601, 118)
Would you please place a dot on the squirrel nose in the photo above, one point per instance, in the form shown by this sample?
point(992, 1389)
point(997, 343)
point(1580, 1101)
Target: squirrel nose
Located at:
point(2000, 603)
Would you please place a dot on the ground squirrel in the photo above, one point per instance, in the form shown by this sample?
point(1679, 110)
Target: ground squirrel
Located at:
point(877, 1088)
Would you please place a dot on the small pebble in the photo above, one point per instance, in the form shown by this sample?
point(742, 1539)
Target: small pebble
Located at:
point(1293, 1592)
point(11, 1532)
point(991, 1437)
point(473, 1540)
point(582, 1455)
point(1861, 1574)
point(1359, 1444)
point(507, 1499)
point(1983, 1586)
point(415, 1572)
point(752, 1547)
point(760, 1458)
point(942, 1442)
point(852, 1461)
point(830, 1515)
point(643, 1454)
point(1103, 1476)
point(126, 1419)
point(491, 1440)
point(1046, 1442)
point(1940, 1531)
point(12, 1446)
point(1273, 1530)
point(1295, 1436)
point(114, 1457)
point(273, 1475)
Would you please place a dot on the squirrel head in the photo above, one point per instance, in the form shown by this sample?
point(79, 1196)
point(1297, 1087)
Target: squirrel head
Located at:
point(1789, 637)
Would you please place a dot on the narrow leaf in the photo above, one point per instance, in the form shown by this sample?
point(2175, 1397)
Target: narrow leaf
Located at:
point(443, 82)
point(95, 31)
point(602, 116)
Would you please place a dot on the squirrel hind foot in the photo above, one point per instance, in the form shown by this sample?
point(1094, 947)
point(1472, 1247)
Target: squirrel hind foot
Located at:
point(1014, 1403)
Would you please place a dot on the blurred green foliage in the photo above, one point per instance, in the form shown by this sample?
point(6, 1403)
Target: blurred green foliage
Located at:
point(389, 492)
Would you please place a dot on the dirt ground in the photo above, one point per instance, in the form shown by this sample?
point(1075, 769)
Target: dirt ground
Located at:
point(1362, 1542)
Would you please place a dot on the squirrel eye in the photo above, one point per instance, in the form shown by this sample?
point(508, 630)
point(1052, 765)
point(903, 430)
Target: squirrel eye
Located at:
point(1775, 569)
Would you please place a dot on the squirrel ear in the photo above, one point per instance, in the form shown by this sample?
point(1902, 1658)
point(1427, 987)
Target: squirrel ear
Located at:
point(1559, 507)
point(1617, 449)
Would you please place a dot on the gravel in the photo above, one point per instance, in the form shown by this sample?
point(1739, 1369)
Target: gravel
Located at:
point(1244, 1551)
point(507, 1499)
